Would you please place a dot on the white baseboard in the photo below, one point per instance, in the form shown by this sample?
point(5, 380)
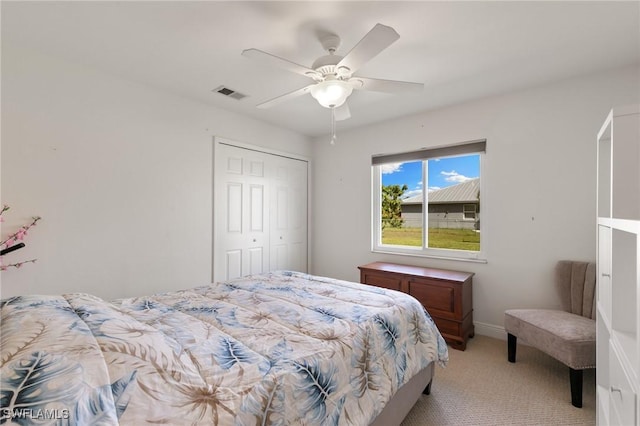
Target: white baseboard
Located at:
point(490, 330)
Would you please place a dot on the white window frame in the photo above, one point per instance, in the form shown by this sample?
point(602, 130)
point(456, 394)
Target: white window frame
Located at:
point(473, 211)
point(457, 150)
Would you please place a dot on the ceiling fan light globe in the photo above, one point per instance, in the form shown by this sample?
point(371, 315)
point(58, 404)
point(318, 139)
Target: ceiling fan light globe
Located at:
point(331, 93)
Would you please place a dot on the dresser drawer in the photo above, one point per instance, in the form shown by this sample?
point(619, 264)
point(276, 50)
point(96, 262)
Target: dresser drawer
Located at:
point(622, 398)
point(382, 280)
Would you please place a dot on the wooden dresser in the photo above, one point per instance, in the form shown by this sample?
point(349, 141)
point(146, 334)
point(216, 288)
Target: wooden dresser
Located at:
point(445, 294)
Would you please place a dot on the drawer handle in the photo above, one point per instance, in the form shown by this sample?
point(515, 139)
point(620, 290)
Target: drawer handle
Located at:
point(615, 389)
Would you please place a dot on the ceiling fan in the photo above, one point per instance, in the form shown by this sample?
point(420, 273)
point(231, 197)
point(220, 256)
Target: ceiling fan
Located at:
point(333, 75)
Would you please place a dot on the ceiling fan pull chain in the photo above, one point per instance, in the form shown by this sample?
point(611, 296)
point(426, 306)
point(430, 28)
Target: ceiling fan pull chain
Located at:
point(333, 126)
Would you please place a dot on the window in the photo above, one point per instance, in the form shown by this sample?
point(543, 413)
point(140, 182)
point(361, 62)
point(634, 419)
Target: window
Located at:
point(469, 211)
point(427, 202)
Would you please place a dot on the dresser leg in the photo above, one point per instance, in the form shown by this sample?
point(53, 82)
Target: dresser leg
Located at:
point(456, 344)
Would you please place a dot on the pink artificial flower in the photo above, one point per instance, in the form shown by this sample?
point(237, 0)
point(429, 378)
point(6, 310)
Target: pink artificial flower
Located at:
point(22, 232)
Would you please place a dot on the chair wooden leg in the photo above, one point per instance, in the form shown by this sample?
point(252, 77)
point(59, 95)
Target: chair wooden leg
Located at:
point(511, 347)
point(575, 377)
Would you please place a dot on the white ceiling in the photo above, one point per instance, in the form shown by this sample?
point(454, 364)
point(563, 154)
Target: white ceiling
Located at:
point(459, 50)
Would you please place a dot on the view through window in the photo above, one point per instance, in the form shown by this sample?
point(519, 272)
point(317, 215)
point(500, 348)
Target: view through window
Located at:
point(428, 204)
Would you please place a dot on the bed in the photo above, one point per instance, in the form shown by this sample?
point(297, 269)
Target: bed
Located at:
point(283, 348)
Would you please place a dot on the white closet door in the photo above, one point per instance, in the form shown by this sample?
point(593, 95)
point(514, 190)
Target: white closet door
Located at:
point(288, 215)
point(241, 221)
point(260, 212)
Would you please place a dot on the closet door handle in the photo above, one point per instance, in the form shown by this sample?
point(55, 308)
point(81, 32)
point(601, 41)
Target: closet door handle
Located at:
point(606, 275)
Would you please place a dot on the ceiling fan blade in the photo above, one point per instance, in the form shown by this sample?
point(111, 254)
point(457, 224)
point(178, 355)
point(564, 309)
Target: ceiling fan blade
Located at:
point(342, 112)
point(273, 60)
point(387, 86)
point(374, 42)
point(285, 97)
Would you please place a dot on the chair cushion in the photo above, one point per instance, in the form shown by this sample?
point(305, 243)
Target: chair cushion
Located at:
point(569, 338)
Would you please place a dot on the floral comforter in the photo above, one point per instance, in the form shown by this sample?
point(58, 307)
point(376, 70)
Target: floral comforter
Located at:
point(281, 349)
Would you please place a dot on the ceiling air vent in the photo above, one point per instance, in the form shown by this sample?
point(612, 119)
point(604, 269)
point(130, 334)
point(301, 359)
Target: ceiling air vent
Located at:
point(229, 92)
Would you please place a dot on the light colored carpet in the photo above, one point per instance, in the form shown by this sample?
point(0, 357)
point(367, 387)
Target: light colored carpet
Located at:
point(480, 387)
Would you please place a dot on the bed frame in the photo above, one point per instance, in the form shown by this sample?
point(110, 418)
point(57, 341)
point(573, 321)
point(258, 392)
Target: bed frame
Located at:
point(405, 398)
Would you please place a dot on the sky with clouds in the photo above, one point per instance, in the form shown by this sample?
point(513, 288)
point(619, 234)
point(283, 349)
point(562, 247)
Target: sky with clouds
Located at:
point(442, 172)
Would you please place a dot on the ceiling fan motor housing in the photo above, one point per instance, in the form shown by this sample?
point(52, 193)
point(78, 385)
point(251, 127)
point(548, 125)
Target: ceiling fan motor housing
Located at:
point(326, 65)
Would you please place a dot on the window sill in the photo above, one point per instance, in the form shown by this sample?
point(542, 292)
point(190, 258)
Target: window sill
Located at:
point(432, 256)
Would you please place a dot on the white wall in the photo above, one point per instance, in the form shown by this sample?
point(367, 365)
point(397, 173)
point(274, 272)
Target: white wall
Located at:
point(539, 205)
point(121, 174)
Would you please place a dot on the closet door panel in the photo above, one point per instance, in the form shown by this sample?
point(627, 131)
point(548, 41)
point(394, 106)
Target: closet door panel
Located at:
point(257, 208)
point(233, 264)
point(234, 207)
point(256, 260)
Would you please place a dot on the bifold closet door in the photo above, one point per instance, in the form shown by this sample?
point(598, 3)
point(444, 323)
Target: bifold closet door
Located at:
point(288, 215)
point(260, 212)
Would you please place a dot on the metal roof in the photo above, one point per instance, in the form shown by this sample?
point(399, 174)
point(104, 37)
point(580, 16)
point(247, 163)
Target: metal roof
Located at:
point(465, 192)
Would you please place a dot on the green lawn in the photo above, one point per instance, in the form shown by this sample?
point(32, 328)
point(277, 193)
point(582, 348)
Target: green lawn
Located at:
point(457, 239)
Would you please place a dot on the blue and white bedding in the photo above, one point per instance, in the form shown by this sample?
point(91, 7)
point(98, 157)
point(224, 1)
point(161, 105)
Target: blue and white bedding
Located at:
point(280, 349)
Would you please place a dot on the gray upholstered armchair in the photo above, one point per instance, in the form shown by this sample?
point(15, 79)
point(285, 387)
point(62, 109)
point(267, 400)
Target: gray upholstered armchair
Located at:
point(568, 336)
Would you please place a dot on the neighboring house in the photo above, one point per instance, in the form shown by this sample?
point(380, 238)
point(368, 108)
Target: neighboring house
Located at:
point(457, 206)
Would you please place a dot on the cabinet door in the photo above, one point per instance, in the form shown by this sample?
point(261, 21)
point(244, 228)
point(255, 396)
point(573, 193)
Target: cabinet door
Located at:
point(604, 272)
point(622, 397)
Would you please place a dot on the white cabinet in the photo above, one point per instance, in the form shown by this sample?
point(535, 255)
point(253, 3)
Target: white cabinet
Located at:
point(618, 294)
